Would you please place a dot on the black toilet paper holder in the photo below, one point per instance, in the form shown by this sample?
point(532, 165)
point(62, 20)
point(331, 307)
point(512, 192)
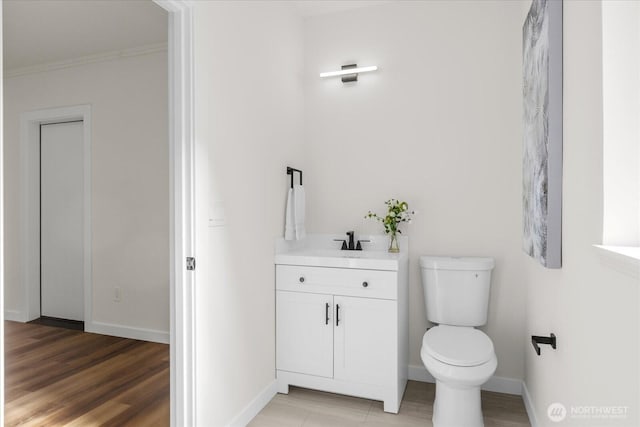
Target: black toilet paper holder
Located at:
point(550, 340)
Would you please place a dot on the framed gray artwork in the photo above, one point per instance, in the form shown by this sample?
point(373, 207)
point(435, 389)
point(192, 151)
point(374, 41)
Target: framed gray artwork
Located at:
point(542, 128)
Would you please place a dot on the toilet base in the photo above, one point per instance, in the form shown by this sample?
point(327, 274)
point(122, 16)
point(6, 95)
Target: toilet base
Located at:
point(457, 406)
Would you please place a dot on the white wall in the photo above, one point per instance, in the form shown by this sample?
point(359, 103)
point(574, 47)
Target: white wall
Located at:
point(592, 308)
point(130, 182)
point(248, 65)
point(439, 125)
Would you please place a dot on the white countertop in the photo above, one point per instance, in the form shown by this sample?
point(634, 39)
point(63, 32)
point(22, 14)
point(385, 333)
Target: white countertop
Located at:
point(322, 251)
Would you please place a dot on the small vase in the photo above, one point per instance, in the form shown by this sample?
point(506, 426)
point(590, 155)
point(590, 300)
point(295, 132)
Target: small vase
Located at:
point(393, 246)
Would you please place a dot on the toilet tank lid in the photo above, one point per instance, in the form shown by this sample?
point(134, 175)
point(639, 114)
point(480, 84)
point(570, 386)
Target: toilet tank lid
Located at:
point(456, 263)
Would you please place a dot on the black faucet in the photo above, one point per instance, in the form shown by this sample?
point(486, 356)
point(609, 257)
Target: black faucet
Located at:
point(351, 245)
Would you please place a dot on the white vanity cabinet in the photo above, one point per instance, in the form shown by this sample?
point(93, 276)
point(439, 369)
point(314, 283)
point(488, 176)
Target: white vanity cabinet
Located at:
point(343, 330)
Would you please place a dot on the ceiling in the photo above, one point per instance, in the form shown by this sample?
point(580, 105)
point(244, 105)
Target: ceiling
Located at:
point(321, 7)
point(38, 32)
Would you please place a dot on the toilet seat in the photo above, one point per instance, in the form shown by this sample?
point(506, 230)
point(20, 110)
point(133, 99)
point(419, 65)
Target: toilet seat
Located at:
point(458, 345)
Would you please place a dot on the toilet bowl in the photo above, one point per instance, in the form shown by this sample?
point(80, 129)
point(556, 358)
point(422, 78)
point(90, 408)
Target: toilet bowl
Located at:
point(460, 359)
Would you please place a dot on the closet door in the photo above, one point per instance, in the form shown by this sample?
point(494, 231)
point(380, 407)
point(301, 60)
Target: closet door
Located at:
point(62, 220)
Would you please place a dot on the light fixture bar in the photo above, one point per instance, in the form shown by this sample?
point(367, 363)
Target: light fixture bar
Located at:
point(348, 71)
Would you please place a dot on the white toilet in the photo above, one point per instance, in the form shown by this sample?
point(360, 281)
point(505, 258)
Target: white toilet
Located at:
point(460, 357)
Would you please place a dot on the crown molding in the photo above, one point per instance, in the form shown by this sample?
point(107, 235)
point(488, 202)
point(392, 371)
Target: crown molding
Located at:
point(84, 60)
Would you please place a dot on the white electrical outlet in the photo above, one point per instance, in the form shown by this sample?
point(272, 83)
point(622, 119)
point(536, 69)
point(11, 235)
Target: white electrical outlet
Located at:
point(117, 295)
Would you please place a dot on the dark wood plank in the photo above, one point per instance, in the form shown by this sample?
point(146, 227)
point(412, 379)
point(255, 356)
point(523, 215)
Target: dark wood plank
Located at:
point(57, 377)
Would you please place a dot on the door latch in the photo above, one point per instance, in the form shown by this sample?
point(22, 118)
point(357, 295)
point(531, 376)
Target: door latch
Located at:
point(191, 263)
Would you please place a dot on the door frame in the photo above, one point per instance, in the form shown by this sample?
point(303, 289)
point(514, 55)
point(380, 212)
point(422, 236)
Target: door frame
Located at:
point(182, 216)
point(30, 202)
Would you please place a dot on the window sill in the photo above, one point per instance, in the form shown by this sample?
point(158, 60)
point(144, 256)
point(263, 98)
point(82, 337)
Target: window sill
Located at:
point(625, 259)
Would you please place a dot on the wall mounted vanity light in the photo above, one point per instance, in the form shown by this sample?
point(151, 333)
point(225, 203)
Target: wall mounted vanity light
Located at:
point(349, 72)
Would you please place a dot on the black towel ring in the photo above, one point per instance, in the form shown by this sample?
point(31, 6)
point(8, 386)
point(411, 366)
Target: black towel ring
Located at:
point(290, 171)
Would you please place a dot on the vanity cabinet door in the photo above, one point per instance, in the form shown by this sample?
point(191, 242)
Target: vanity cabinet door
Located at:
point(304, 333)
point(365, 340)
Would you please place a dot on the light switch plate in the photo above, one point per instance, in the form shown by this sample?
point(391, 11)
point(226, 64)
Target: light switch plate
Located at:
point(217, 218)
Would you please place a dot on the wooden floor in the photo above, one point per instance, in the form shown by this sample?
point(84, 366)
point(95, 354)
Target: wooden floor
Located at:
point(61, 377)
point(302, 407)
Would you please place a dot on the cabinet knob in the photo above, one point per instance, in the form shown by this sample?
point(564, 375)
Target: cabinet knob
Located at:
point(365, 284)
point(301, 279)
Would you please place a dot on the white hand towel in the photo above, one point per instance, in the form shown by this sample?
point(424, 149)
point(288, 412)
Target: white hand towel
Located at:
point(298, 211)
point(289, 219)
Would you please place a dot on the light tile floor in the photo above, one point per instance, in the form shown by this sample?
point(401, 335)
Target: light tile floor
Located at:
point(309, 408)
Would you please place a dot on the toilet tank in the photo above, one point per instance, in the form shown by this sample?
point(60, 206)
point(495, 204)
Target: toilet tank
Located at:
point(456, 289)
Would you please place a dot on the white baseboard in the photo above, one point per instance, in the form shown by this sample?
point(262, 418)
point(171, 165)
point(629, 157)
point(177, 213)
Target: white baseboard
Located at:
point(105, 329)
point(497, 384)
point(255, 406)
point(529, 406)
point(504, 385)
point(420, 373)
point(15, 316)
point(127, 332)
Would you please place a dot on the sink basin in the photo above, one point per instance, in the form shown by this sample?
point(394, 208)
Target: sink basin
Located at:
point(369, 260)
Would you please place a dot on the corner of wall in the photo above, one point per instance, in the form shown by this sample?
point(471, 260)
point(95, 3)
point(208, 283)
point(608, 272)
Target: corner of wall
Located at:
point(529, 405)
